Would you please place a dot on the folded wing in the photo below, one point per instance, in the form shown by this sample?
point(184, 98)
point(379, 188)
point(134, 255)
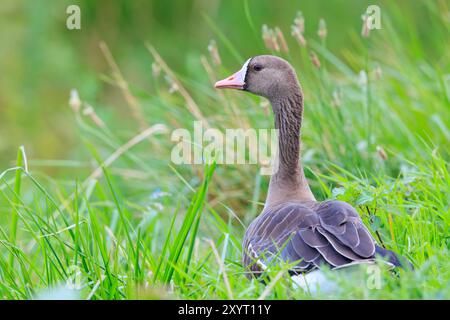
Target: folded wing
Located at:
point(329, 233)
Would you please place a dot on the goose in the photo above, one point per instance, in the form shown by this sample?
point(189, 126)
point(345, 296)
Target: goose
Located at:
point(293, 226)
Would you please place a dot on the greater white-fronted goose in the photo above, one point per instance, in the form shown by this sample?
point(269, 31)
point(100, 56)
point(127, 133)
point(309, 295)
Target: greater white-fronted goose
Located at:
point(293, 226)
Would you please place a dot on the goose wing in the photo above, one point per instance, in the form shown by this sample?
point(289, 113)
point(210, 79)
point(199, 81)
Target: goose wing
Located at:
point(329, 233)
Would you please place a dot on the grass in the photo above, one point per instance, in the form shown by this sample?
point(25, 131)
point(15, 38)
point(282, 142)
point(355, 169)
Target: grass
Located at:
point(140, 228)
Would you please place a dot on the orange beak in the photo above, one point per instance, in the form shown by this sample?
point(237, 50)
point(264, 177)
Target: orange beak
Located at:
point(235, 81)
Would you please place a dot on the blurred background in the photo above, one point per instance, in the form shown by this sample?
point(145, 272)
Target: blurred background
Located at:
point(41, 60)
point(376, 134)
point(372, 103)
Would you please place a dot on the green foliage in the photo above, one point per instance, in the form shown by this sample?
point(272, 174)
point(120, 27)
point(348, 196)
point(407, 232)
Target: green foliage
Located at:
point(119, 221)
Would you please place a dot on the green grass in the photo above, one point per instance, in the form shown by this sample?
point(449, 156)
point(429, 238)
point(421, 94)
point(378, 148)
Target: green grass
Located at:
point(133, 225)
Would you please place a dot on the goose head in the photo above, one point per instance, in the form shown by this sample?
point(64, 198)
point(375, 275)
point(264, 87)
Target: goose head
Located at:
point(267, 76)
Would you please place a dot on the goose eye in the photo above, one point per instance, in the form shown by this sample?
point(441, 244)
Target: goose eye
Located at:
point(257, 67)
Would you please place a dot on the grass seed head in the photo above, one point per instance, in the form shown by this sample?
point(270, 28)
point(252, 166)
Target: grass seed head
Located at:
point(283, 44)
point(365, 26)
point(336, 98)
point(89, 111)
point(266, 36)
point(381, 153)
point(295, 32)
point(299, 22)
point(74, 100)
point(156, 70)
point(362, 78)
point(377, 73)
point(214, 52)
point(173, 87)
point(315, 59)
point(270, 38)
point(322, 32)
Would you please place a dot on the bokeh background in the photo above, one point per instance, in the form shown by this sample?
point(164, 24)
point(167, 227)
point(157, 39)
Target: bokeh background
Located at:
point(376, 134)
point(40, 60)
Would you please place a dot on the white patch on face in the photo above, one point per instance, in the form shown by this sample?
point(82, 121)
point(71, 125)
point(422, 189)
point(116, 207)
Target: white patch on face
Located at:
point(241, 74)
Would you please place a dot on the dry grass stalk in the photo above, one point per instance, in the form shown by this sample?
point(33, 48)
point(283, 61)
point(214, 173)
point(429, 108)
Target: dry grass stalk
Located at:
point(269, 288)
point(173, 87)
point(229, 104)
point(222, 268)
point(209, 71)
point(98, 172)
point(191, 104)
point(135, 107)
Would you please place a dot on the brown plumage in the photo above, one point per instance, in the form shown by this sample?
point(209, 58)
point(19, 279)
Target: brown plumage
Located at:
point(293, 226)
point(309, 233)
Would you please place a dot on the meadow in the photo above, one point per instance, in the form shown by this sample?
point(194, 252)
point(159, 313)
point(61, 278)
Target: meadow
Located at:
point(91, 205)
